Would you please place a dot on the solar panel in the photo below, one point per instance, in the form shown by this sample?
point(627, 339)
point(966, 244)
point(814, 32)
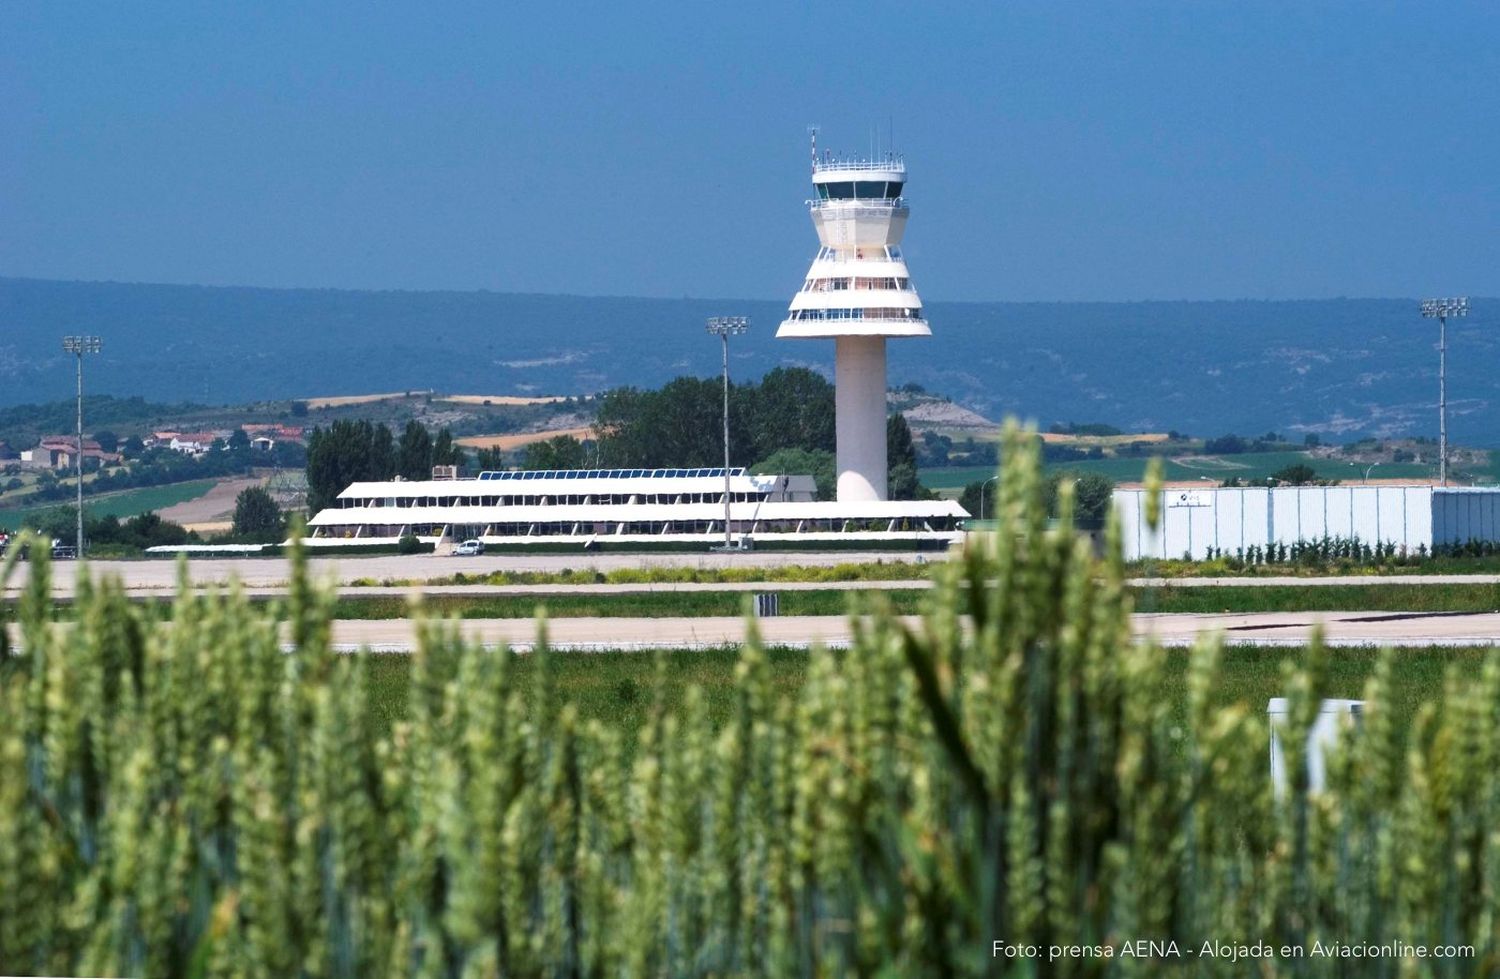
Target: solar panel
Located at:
point(708, 472)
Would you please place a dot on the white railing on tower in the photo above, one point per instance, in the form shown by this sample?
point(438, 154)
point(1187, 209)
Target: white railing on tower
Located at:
point(893, 165)
point(874, 203)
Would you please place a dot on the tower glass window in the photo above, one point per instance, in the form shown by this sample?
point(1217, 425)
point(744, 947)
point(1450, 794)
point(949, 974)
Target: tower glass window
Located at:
point(859, 190)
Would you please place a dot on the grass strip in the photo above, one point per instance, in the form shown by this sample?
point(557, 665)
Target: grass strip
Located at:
point(1271, 598)
point(848, 571)
point(689, 604)
point(617, 689)
point(1321, 598)
point(619, 605)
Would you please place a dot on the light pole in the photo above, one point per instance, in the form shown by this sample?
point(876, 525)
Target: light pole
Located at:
point(1440, 310)
point(981, 494)
point(1367, 470)
point(78, 346)
point(723, 327)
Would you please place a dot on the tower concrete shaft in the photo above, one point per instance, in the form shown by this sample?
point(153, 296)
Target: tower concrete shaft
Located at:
point(859, 401)
point(858, 293)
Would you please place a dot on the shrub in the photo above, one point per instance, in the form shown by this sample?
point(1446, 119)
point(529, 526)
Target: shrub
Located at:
point(409, 544)
point(192, 799)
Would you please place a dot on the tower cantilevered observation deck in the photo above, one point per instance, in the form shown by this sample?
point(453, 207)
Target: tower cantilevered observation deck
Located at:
point(858, 293)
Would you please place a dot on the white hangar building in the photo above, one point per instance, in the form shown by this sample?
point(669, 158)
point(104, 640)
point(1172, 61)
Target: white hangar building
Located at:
point(1230, 519)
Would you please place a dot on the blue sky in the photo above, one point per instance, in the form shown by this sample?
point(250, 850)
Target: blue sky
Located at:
point(1058, 150)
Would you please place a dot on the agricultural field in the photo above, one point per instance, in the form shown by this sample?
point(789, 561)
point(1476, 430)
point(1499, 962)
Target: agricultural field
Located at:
point(1102, 441)
point(124, 504)
point(533, 805)
point(511, 400)
point(511, 442)
point(345, 400)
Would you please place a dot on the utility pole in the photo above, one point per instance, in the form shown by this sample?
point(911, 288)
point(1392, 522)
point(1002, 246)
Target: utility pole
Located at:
point(723, 327)
point(1440, 310)
point(78, 346)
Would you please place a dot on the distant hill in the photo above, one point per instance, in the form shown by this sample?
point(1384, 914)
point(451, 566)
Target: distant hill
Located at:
point(1345, 367)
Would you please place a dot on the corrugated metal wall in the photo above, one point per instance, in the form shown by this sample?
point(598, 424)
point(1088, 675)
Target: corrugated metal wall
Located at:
point(1232, 518)
point(1462, 515)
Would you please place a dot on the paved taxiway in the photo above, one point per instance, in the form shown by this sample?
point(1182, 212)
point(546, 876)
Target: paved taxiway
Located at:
point(1261, 628)
point(1407, 629)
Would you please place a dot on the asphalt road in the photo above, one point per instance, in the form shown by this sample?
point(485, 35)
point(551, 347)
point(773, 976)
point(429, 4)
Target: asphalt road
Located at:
point(1261, 628)
point(1409, 629)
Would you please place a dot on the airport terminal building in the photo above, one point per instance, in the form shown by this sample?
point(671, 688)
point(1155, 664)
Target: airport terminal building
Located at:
point(592, 507)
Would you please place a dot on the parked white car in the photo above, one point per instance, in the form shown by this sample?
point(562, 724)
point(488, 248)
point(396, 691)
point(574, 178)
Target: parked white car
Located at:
point(469, 548)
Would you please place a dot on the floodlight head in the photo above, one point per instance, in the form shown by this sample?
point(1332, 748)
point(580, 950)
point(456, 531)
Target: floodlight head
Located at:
point(81, 345)
point(728, 325)
point(1444, 308)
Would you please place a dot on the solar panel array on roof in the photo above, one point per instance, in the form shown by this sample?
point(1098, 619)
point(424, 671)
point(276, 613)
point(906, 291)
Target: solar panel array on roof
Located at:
point(492, 474)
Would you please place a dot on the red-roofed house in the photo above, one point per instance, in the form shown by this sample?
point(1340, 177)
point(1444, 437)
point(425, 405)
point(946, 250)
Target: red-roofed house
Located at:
point(57, 452)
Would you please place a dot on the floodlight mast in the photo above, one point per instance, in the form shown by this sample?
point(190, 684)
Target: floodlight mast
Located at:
point(78, 346)
point(1440, 310)
point(723, 327)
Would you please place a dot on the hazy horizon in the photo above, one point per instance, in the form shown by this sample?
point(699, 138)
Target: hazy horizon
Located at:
point(1098, 152)
point(1145, 300)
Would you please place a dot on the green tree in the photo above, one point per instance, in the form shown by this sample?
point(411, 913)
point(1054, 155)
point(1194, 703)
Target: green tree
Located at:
point(1092, 494)
point(414, 452)
point(678, 425)
point(901, 460)
point(58, 523)
point(558, 452)
point(681, 424)
point(344, 453)
point(149, 530)
point(256, 515)
point(108, 441)
point(382, 464)
point(239, 440)
point(817, 463)
point(489, 459)
point(1298, 474)
point(791, 408)
point(971, 500)
point(933, 451)
point(622, 443)
point(445, 452)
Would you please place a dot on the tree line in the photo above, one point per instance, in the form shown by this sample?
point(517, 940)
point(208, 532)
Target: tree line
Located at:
point(785, 420)
point(360, 451)
point(782, 424)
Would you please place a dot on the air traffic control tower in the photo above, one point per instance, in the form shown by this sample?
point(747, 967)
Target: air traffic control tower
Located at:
point(858, 293)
